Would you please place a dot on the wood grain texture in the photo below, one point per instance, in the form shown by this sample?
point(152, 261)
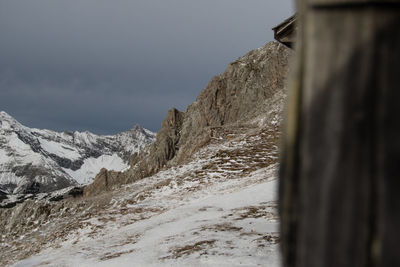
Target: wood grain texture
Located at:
point(340, 168)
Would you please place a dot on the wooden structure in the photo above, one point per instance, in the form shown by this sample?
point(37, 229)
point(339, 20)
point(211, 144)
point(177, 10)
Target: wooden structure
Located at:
point(285, 32)
point(340, 162)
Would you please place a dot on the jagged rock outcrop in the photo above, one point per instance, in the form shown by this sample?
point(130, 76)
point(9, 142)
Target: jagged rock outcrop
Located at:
point(103, 181)
point(147, 162)
point(166, 145)
point(244, 94)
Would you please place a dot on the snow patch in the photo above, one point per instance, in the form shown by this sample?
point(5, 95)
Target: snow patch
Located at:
point(59, 149)
point(92, 166)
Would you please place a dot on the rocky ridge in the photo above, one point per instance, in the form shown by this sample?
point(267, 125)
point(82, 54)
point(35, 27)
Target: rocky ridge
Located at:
point(250, 92)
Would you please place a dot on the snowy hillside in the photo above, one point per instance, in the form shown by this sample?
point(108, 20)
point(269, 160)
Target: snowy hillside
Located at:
point(34, 160)
point(217, 210)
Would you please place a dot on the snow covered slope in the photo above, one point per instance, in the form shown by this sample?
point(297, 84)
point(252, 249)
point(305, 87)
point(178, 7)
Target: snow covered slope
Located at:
point(217, 210)
point(231, 223)
point(34, 160)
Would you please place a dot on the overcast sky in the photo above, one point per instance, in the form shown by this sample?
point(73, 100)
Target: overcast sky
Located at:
point(105, 65)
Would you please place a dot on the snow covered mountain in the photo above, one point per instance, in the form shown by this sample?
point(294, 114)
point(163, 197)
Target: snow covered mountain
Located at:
point(34, 160)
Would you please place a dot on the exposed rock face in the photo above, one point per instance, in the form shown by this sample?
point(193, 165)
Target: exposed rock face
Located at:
point(243, 94)
point(103, 181)
point(168, 138)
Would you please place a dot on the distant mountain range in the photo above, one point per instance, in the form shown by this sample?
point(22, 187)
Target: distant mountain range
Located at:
point(36, 161)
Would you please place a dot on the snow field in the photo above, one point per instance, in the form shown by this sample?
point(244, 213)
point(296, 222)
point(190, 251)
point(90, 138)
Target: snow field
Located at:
point(204, 213)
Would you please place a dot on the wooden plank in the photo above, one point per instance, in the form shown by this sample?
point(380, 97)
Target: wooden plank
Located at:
point(340, 171)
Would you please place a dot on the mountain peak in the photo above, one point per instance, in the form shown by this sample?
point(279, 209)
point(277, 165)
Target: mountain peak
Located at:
point(137, 127)
point(7, 122)
point(5, 115)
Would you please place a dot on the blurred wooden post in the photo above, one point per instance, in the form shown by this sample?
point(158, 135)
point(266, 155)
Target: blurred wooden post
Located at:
point(340, 164)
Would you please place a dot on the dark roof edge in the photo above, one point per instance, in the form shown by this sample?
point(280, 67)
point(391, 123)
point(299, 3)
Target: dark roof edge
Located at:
point(288, 21)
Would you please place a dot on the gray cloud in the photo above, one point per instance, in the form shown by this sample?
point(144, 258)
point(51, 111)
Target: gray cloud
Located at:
point(105, 65)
